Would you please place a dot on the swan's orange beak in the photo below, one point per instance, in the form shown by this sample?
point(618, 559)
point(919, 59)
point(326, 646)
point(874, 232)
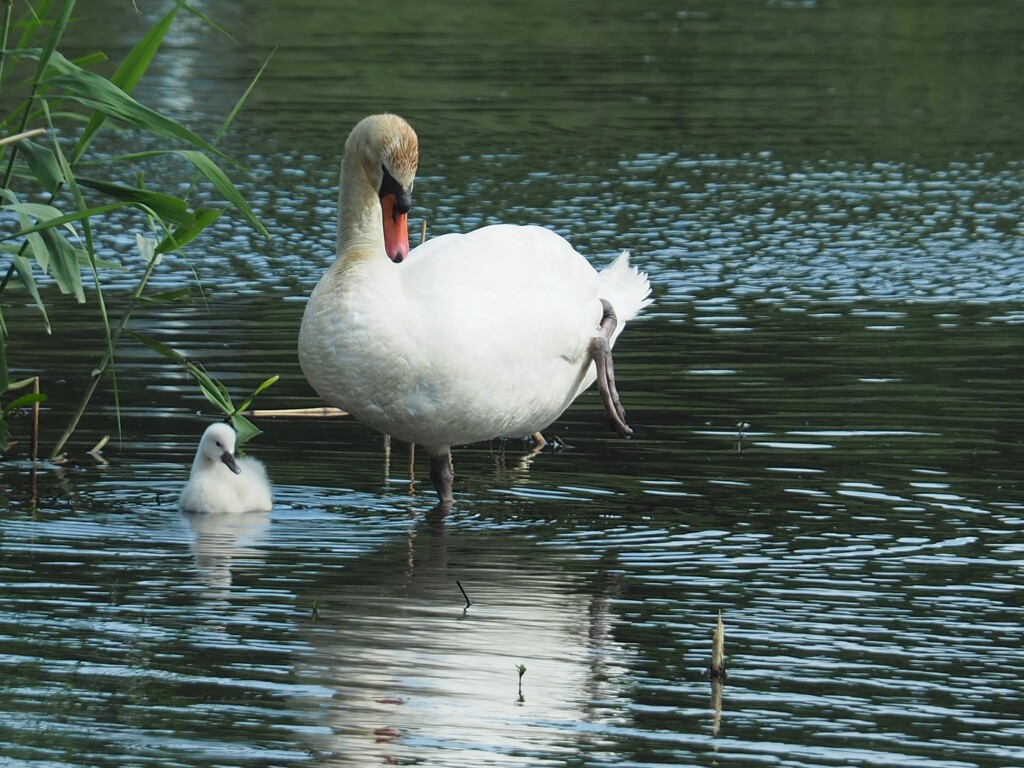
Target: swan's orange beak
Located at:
point(396, 228)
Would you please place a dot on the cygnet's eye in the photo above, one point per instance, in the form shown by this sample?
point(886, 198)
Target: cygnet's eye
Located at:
point(219, 445)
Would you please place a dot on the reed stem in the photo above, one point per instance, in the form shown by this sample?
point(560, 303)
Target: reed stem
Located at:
point(23, 135)
point(717, 668)
point(325, 412)
point(34, 437)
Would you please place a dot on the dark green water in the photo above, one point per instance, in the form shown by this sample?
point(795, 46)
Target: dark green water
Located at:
point(827, 198)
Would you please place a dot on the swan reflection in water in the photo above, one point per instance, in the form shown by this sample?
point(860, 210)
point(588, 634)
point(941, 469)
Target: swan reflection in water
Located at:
point(416, 670)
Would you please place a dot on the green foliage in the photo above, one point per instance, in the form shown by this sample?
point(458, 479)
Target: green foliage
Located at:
point(214, 390)
point(49, 209)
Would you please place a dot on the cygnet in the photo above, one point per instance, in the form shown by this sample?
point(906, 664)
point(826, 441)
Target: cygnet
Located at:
point(221, 483)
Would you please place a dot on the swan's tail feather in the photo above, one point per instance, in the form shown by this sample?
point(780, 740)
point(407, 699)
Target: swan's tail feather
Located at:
point(626, 288)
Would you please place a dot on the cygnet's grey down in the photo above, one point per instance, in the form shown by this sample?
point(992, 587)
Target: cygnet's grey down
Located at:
point(222, 483)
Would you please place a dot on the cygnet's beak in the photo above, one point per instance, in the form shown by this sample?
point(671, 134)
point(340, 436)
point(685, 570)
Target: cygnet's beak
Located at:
point(229, 458)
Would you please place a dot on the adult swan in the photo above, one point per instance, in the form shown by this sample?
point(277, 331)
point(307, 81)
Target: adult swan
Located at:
point(467, 338)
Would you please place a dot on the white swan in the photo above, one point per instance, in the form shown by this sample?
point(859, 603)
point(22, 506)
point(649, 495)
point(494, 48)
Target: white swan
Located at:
point(221, 483)
point(468, 337)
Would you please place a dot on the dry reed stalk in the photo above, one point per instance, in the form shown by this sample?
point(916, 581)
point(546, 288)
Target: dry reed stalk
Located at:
point(717, 668)
point(320, 412)
point(23, 135)
point(34, 438)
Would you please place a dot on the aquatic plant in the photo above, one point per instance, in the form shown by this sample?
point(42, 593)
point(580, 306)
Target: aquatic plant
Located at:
point(55, 107)
point(213, 390)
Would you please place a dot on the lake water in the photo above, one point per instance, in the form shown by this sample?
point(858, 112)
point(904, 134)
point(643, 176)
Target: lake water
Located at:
point(826, 397)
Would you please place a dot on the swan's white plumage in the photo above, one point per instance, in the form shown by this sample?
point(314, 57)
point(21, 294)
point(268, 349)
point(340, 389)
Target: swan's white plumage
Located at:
point(212, 486)
point(472, 336)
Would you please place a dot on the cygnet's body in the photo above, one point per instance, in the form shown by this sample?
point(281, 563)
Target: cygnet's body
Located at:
point(221, 483)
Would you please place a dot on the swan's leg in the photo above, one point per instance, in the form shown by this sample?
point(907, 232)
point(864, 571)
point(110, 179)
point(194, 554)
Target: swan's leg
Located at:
point(442, 475)
point(601, 353)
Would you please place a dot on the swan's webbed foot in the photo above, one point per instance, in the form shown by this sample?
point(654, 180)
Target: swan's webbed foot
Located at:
point(442, 475)
point(601, 353)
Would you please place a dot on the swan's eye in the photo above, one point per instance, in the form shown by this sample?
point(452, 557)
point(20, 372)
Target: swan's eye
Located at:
point(219, 444)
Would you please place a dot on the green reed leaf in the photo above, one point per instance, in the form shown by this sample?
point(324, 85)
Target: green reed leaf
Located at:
point(67, 218)
point(244, 428)
point(44, 166)
point(180, 294)
point(64, 261)
point(213, 173)
point(96, 92)
point(24, 269)
point(165, 206)
point(157, 346)
point(21, 402)
point(248, 401)
point(186, 234)
point(129, 73)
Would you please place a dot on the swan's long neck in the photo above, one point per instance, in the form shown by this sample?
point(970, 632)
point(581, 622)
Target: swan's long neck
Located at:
point(360, 221)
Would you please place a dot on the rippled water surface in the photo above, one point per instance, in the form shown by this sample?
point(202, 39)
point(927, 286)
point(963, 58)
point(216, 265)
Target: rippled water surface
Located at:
point(826, 396)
